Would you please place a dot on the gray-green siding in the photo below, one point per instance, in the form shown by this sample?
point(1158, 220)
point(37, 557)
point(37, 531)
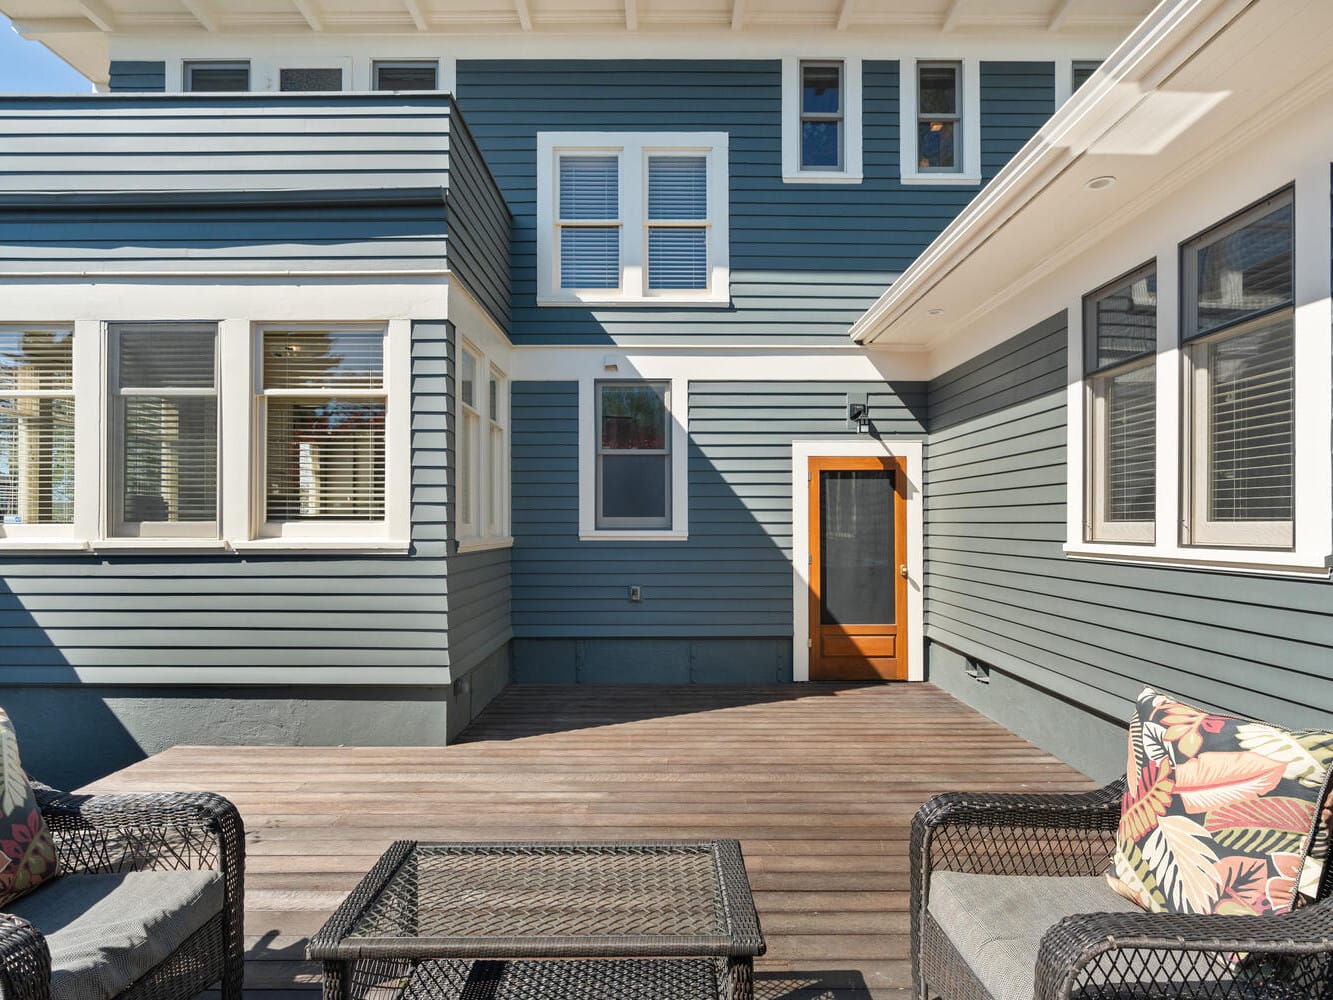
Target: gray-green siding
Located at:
point(733, 577)
point(1000, 589)
point(805, 260)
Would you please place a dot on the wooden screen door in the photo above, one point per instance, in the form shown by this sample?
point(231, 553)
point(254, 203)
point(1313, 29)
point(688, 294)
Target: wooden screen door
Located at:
point(858, 569)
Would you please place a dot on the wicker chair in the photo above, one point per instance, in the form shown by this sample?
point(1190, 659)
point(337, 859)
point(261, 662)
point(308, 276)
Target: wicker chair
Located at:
point(113, 834)
point(1057, 843)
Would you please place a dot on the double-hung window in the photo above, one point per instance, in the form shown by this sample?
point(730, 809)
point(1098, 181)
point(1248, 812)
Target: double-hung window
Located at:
point(632, 218)
point(939, 138)
point(1238, 326)
point(497, 482)
point(470, 517)
point(36, 429)
point(822, 131)
point(821, 121)
point(1119, 356)
point(324, 407)
point(633, 455)
point(163, 459)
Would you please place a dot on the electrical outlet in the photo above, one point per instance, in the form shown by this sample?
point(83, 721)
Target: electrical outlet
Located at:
point(636, 593)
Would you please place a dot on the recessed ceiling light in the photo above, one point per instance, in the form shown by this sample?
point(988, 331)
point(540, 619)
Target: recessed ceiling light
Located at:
point(1100, 183)
point(937, 311)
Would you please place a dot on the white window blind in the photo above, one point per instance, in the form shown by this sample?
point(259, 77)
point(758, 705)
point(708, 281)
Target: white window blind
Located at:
point(589, 221)
point(677, 204)
point(36, 426)
point(165, 431)
point(324, 423)
point(1239, 311)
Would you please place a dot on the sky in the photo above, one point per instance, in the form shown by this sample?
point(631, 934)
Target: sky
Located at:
point(29, 68)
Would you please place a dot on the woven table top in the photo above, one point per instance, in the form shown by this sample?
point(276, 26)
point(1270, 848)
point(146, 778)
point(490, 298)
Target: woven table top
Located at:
point(551, 900)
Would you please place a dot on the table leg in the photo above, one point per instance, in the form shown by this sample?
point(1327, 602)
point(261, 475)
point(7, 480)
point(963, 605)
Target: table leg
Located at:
point(739, 980)
point(337, 980)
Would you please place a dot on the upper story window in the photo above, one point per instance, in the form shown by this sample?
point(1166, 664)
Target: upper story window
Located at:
point(406, 75)
point(1119, 358)
point(632, 218)
point(1080, 70)
point(821, 121)
point(941, 121)
point(311, 79)
point(216, 77)
point(36, 429)
point(1238, 312)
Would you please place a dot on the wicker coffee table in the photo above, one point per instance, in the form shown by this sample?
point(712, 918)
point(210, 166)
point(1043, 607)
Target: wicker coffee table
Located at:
point(629, 921)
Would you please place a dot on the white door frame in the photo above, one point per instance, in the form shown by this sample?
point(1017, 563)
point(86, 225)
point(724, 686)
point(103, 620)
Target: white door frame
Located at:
point(909, 449)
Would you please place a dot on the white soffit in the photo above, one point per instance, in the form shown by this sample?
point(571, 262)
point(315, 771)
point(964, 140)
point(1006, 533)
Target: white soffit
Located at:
point(1193, 81)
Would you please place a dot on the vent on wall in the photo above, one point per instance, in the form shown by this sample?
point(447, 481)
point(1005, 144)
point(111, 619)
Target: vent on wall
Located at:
point(978, 671)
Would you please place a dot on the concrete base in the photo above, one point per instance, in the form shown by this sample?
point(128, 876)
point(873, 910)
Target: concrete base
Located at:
point(1085, 740)
point(652, 661)
point(69, 736)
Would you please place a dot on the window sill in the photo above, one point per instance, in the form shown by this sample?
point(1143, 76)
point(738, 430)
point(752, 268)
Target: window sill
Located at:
point(655, 301)
point(364, 546)
point(159, 546)
point(38, 545)
point(1255, 563)
point(955, 180)
point(822, 177)
point(634, 536)
point(484, 544)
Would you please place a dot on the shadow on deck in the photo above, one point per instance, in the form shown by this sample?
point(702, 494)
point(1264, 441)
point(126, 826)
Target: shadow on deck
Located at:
point(819, 783)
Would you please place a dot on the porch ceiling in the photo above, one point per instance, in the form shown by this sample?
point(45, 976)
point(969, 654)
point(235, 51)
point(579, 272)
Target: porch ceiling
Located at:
point(818, 782)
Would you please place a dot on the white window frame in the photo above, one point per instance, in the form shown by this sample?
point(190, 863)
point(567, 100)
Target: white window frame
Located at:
point(188, 65)
point(603, 522)
point(633, 150)
point(1098, 527)
point(261, 527)
point(377, 64)
point(497, 454)
point(852, 170)
point(969, 131)
point(39, 533)
point(678, 430)
point(1313, 538)
point(470, 517)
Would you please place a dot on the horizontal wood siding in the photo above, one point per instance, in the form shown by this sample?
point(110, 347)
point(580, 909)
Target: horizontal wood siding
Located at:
point(478, 226)
point(1000, 589)
point(129, 76)
point(479, 607)
point(733, 576)
point(295, 612)
point(806, 260)
point(1016, 100)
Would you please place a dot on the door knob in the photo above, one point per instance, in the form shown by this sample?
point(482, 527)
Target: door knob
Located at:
point(902, 571)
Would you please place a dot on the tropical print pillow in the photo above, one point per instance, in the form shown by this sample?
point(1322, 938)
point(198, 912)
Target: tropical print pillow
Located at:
point(26, 849)
point(1221, 814)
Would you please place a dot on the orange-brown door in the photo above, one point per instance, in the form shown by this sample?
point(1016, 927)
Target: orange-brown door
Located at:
point(858, 569)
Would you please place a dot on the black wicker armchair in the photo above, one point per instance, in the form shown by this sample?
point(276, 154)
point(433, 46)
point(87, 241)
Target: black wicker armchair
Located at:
point(997, 887)
point(110, 835)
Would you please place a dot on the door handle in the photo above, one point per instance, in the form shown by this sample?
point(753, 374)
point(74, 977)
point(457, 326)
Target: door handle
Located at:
point(902, 571)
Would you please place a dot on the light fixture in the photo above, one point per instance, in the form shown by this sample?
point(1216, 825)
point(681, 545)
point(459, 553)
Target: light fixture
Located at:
point(936, 311)
point(859, 414)
point(611, 363)
point(1100, 183)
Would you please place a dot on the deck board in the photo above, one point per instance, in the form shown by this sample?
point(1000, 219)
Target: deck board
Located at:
point(818, 782)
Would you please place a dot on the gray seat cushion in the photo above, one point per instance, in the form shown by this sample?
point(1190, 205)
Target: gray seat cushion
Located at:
point(996, 922)
point(106, 931)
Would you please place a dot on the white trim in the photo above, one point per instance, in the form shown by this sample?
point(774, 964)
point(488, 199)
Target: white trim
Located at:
point(679, 415)
point(970, 123)
point(485, 545)
point(852, 109)
point(704, 364)
point(373, 546)
point(912, 450)
point(633, 149)
point(1064, 80)
point(467, 420)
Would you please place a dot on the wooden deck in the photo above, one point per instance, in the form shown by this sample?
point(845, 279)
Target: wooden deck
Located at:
point(819, 782)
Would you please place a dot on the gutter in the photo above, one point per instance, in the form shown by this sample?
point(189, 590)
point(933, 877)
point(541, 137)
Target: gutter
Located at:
point(1162, 43)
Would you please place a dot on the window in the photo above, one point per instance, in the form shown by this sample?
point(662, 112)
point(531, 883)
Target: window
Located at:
point(940, 141)
point(821, 121)
point(497, 481)
point(312, 79)
point(469, 446)
point(1081, 70)
point(163, 458)
point(422, 75)
point(639, 217)
point(1238, 329)
point(324, 403)
point(633, 455)
point(36, 428)
point(1120, 331)
point(217, 77)
point(939, 116)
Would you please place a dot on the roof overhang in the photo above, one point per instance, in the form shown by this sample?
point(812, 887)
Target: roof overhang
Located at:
point(1191, 84)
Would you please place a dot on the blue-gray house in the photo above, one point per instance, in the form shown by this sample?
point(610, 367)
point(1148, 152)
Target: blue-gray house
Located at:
point(359, 359)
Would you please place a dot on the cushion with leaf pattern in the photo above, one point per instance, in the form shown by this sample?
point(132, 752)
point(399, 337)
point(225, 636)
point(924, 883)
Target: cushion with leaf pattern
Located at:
point(26, 849)
point(1221, 813)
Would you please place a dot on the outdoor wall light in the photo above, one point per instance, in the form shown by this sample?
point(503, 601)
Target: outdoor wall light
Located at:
point(859, 414)
point(611, 363)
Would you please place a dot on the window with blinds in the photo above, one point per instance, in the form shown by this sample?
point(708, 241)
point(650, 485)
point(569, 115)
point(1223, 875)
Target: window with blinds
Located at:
point(36, 427)
point(1239, 315)
point(677, 222)
point(1120, 345)
point(164, 468)
point(589, 221)
point(324, 407)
